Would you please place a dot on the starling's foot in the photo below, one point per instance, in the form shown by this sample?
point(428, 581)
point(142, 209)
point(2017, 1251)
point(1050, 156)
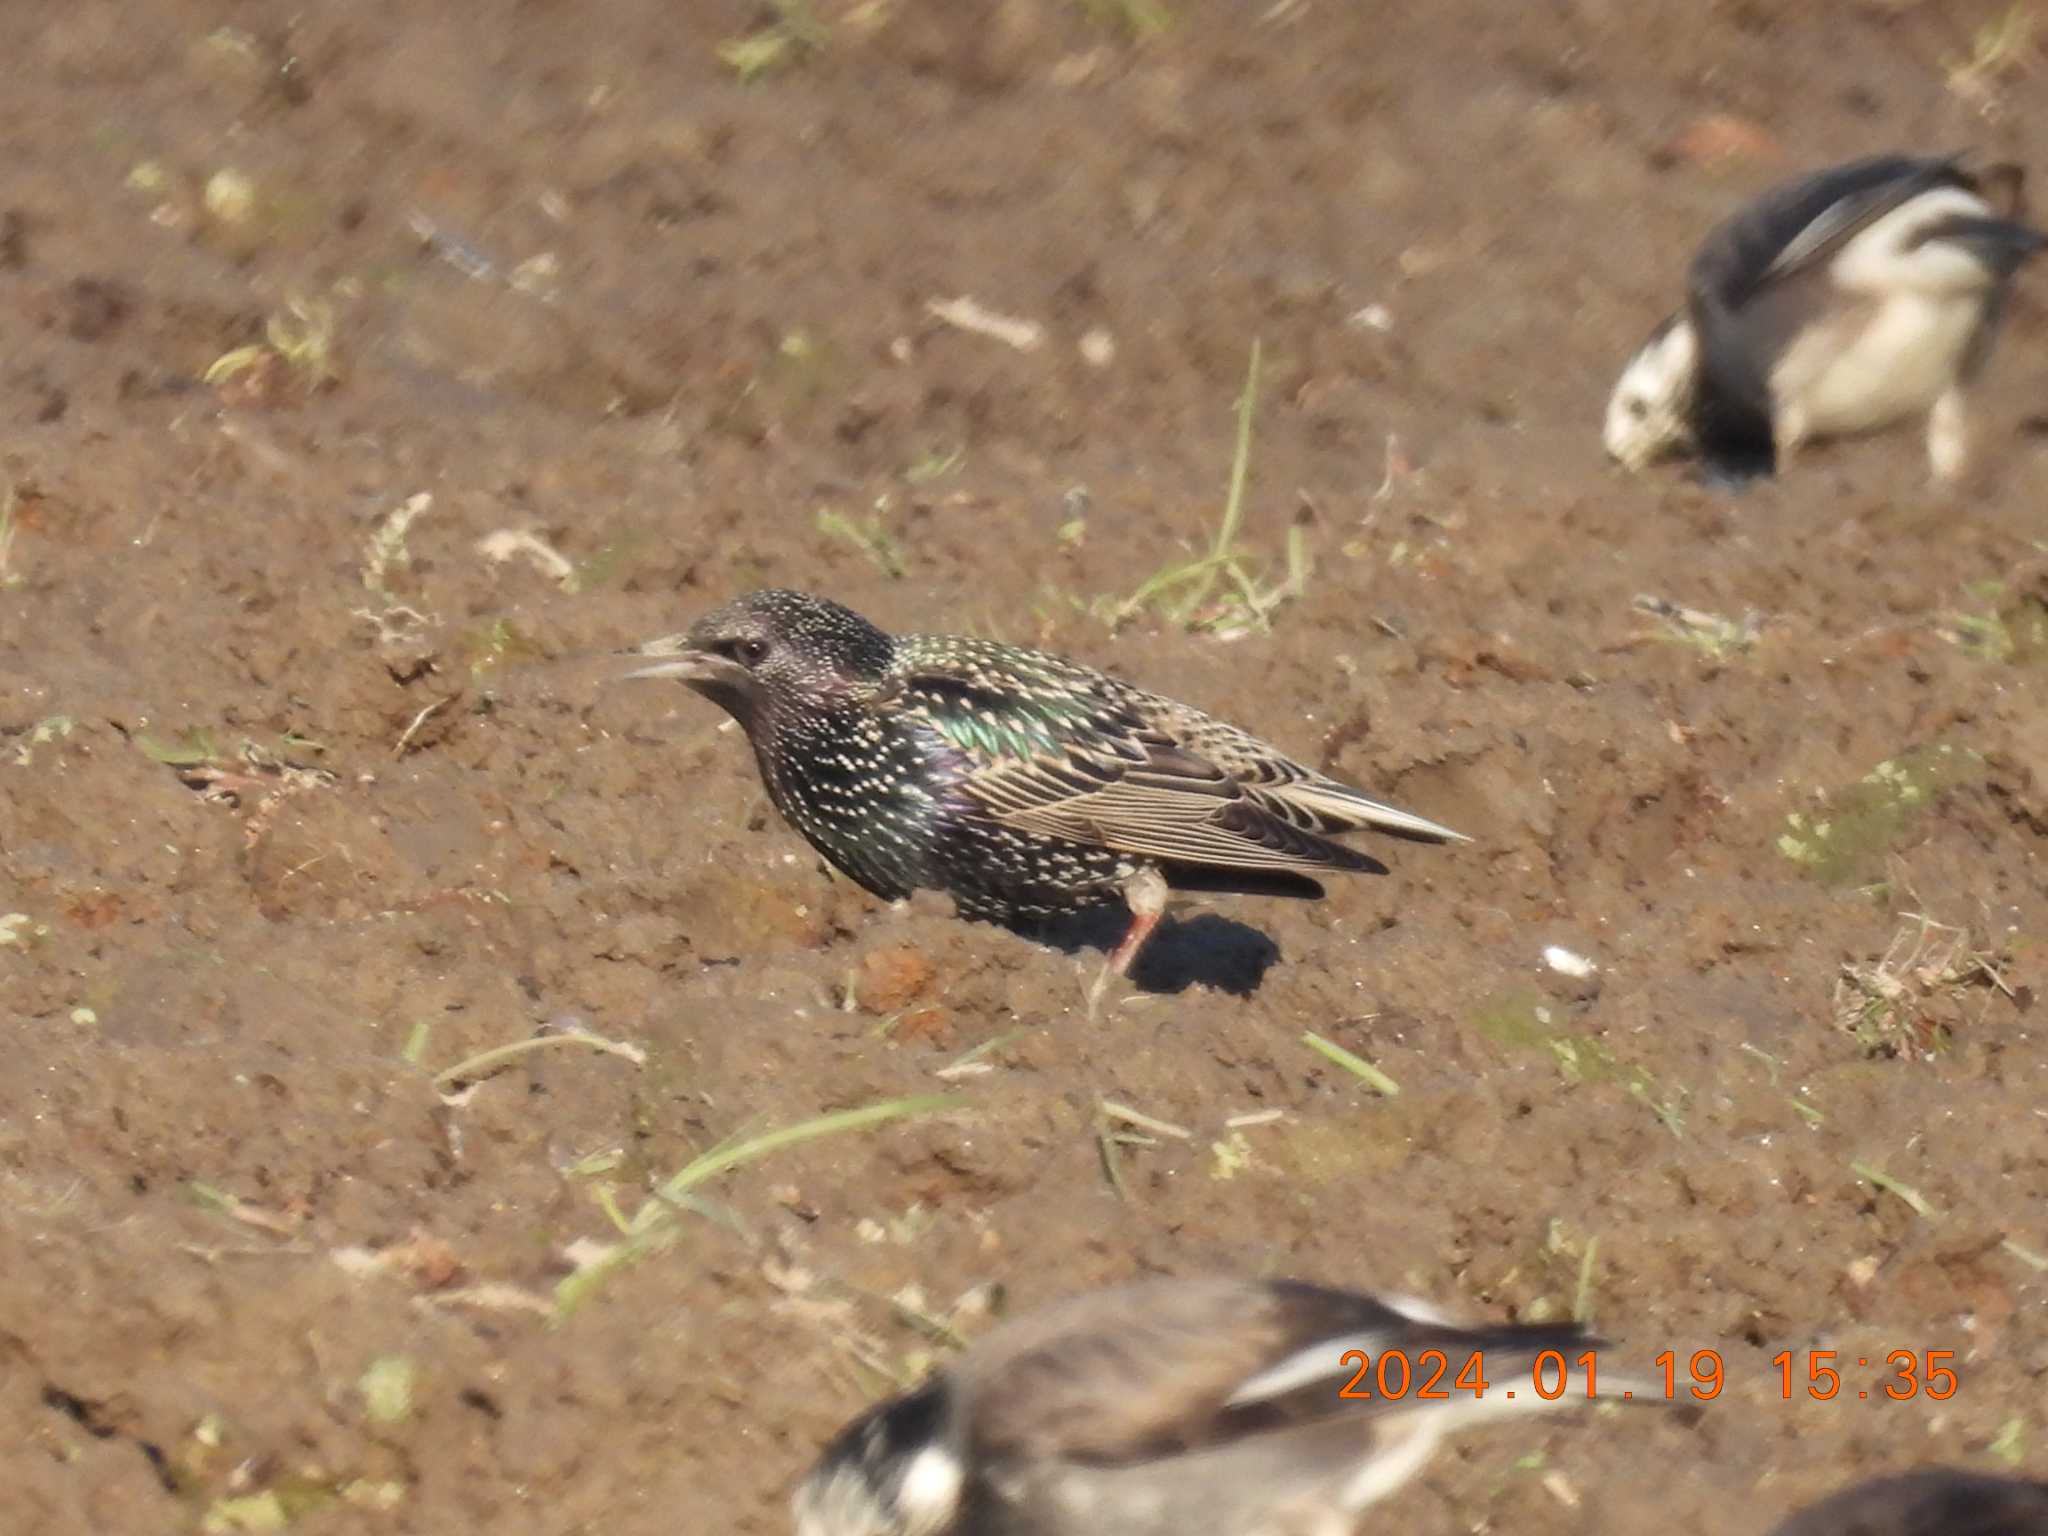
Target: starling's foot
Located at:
point(1095, 990)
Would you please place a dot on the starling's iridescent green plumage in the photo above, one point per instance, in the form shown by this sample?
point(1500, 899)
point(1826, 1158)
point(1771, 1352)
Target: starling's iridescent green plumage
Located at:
point(1024, 784)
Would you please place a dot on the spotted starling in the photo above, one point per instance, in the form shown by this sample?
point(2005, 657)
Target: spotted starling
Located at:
point(1023, 784)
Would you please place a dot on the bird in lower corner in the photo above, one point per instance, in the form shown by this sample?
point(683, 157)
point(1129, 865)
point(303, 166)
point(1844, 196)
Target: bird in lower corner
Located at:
point(1203, 1406)
point(1025, 785)
point(1839, 303)
point(1932, 1501)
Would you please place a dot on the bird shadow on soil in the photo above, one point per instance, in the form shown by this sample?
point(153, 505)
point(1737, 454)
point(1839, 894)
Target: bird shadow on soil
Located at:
point(1203, 949)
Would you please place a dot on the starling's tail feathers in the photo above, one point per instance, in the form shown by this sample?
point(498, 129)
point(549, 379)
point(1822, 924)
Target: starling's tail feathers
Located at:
point(1345, 809)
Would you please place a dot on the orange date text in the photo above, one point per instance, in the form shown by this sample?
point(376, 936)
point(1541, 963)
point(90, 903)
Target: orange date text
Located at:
point(1700, 1375)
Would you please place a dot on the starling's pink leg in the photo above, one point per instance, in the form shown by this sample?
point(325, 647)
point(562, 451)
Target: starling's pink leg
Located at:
point(1146, 894)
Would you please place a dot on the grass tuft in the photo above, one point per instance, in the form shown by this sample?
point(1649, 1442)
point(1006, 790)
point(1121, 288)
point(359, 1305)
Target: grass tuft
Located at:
point(1221, 591)
point(2010, 628)
point(653, 1226)
point(1137, 20)
point(1920, 1204)
point(2003, 47)
point(1856, 826)
point(1713, 636)
point(10, 528)
point(466, 1074)
point(1907, 1002)
point(1357, 1066)
point(869, 537)
point(795, 33)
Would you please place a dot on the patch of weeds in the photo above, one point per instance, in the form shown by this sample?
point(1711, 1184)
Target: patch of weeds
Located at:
point(298, 340)
point(193, 747)
point(1119, 1126)
point(386, 552)
point(934, 465)
point(10, 527)
point(267, 775)
point(274, 1508)
point(1850, 835)
point(41, 734)
point(2003, 47)
point(803, 367)
point(1223, 590)
point(1231, 1156)
point(605, 564)
point(794, 33)
point(653, 1227)
point(386, 557)
point(1713, 636)
point(1564, 1264)
point(1523, 1021)
point(485, 646)
point(387, 1389)
point(1137, 20)
point(18, 930)
point(1910, 1000)
point(2008, 629)
point(2009, 1445)
point(869, 537)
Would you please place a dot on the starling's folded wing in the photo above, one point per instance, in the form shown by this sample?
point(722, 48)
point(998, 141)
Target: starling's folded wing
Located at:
point(1310, 800)
point(1068, 756)
point(1169, 807)
point(1058, 750)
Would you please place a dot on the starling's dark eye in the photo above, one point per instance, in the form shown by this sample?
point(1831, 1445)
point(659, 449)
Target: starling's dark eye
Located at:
point(1638, 408)
point(746, 652)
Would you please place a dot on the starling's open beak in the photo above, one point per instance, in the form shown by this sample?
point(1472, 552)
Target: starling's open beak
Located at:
point(674, 656)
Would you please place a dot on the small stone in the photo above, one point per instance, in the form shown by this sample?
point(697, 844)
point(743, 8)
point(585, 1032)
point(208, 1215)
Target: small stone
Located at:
point(231, 197)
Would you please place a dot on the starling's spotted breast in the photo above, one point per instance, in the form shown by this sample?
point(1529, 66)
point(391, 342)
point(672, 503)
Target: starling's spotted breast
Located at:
point(1022, 783)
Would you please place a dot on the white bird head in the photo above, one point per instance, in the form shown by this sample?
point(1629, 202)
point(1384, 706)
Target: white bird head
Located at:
point(1646, 415)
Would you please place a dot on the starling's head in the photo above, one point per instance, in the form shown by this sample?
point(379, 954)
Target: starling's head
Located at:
point(894, 1472)
point(770, 647)
point(1646, 417)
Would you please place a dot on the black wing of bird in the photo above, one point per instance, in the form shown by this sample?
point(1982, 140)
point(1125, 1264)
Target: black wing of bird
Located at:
point(1762, 272)
point(1161, 1367)
point(1933, 1501)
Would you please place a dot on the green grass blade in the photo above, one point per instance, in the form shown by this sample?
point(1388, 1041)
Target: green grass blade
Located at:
point(1357, 1066)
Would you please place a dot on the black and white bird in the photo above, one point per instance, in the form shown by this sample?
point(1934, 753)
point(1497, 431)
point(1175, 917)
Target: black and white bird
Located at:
point(1934, 1501)
point(1839, 303)
point(1179, 1407)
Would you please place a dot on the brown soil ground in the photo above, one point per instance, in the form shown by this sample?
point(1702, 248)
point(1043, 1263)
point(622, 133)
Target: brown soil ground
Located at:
point(300, 810)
